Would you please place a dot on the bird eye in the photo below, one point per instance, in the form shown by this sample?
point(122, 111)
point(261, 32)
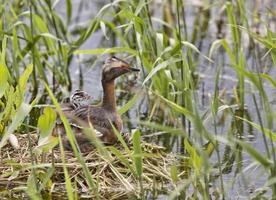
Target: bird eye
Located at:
point(113, 58)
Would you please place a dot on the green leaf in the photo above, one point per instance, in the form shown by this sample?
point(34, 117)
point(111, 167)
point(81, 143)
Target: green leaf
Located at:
point(103, 27)
point(177, 107)
point(120, 138)
point(46, 182)
point(252, 151)
point(68, 10)
point(19, 94)
point(49, 36)
point(161, 66)
point(32, 189)
point(3, 51)
point(129, 104)
point(45, 144)
point(270, 79)
point(137, 155)
point(268, 133)
point(107, 50)
point(209, 148)
point(68, 183)
point(46, 122)
point(40, 24)
point(232, 21)
point(174, 173)
point(230, 53)
point(163, 128)
point(195, 160)
point(4, 74)
point(93, 26)
point(24, 78)
point(17, 120)
point(193, 47)
point(213, 47)
point(9, 107)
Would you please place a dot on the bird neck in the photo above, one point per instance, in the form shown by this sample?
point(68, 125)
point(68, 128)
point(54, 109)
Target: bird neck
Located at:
point(109, 98)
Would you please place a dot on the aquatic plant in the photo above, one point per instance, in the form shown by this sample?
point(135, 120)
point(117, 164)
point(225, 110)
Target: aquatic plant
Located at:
point(206, 93)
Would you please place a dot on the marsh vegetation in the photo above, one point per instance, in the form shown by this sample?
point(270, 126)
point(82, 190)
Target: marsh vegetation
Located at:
point(201, 112)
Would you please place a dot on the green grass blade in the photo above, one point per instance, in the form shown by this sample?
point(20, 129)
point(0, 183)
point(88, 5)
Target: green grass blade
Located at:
point(107, 51)
point(137, 156)
point(72, 139)
point(17, 120)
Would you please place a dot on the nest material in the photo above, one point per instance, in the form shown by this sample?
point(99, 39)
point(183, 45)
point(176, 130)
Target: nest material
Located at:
point(113, 178)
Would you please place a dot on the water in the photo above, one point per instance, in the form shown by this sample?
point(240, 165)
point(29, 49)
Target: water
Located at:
point(252, 178)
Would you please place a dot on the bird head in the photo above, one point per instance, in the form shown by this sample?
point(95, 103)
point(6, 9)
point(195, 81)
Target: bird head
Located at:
point(115, 67)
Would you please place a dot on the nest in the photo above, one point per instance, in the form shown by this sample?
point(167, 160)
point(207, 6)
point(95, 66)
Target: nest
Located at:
point(113, 179)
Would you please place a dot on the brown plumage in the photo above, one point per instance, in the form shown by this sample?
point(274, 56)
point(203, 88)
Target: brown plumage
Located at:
point(80, 112)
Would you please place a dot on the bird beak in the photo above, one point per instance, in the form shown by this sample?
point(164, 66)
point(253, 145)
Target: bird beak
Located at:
point(134, 69)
